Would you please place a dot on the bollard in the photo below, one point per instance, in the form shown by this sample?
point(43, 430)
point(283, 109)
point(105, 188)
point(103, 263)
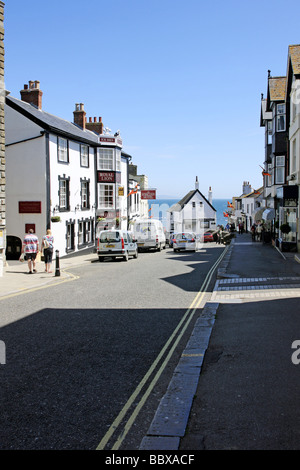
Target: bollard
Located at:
point(57, 271)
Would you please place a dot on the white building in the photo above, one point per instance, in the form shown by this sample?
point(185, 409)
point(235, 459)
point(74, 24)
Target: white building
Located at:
point(60, 175)
point(192, 213)
point(138, 184)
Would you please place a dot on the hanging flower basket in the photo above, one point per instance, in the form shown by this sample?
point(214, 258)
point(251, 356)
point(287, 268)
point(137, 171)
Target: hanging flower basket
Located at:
point(55, 218)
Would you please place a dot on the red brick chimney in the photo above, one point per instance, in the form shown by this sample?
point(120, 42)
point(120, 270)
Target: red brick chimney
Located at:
point(96, 126)
point(79, 115)
point(32, 94)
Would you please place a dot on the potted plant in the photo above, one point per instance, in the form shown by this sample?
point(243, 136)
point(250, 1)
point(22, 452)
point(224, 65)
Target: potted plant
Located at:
point(55, 218)
point(285, 228)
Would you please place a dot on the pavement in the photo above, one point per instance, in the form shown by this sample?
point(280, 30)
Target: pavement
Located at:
point(16, 280)
point(238, 380)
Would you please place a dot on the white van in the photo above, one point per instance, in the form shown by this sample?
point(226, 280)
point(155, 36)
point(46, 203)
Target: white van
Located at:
point(115, 243)
point(149, 233)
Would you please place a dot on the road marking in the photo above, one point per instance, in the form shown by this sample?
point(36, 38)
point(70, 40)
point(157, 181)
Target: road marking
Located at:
point(187, 317)
point(192, 355)
point(26, 290)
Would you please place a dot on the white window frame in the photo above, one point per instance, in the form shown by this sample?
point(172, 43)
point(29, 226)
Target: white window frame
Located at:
point(106, 195)
point(62, 150)
point(280, 108)
point(84, 156)
point(106, 159)
point(64, 188)
point(85, 194)
point(80, 233)
point(118, 160)
point(279, 170)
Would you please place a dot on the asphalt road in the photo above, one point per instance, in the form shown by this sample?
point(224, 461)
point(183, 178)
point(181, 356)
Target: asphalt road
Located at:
point(80, 355)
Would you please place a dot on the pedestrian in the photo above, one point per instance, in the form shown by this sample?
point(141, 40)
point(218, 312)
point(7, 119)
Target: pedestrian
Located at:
point(47, 246)
point(30, 248)
point(259, 232)
point(253, 232)
point(219, 234)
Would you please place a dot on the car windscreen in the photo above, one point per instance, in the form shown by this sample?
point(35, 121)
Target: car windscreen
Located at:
point(110, 236)
point(184, 236)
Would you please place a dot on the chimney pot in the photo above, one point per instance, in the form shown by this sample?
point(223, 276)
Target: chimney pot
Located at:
point(79, 115)
point(90, 119)
point(32, 94)
point(95, 119)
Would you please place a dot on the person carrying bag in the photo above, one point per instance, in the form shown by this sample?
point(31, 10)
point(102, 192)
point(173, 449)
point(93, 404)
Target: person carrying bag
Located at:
point(47, 246)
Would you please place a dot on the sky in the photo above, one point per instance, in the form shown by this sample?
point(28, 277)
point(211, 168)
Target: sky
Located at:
point(182, 81)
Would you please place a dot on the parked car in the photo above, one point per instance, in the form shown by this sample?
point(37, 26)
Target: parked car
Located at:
point(115, 243)
point(171, 236)
point(185, 241)
point(149, 234)
point(208, 237)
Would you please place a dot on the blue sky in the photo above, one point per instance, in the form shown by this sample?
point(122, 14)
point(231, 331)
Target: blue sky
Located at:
point(182, 81)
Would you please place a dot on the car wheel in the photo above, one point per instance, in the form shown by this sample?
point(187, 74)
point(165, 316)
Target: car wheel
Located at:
point(101, 258)
point(159, 248)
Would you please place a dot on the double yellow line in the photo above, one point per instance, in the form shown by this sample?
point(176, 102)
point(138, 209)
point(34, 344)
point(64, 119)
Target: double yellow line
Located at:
point(184, 323)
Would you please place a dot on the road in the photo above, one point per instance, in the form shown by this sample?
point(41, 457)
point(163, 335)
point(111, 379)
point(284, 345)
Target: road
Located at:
point(87, 361)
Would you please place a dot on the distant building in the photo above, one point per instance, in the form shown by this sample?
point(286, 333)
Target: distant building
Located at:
point(138, 207)
point(192, 213)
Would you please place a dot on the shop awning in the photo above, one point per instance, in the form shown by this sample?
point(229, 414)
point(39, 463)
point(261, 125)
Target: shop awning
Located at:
point(269, 214)
point(257, 213)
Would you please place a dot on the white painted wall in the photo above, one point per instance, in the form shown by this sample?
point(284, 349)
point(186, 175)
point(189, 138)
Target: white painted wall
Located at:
point(192, 218)
point(74, 171)
point(25, 174)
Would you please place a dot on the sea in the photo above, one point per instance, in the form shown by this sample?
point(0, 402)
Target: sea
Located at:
point(219, 204)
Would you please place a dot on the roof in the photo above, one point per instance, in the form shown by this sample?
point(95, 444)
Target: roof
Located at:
point(52, 123)
point(277, 88)
point(180, 204)
point(254, 193)
point(294, 54)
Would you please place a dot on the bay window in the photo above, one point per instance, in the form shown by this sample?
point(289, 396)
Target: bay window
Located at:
point(280, 118)
point(106, 159)
point(279, 170)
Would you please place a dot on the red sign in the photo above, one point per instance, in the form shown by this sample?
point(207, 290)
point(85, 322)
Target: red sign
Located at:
point(148, 194)
point(106, 176)
point(107, 139)
point(30, 207)
point(28, 227)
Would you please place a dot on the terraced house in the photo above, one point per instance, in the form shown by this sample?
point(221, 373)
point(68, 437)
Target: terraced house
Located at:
point(62, 175)
point(280, 116)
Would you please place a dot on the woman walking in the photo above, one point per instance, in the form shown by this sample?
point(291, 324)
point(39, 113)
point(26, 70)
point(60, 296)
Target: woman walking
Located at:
point(47, 245)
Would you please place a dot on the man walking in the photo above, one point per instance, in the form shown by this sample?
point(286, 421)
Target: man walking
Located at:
point(30, 248)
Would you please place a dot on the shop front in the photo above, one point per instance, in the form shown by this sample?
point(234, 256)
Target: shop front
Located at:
point(287, 197)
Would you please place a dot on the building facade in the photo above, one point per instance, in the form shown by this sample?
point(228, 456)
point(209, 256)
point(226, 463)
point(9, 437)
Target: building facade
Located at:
point(192, 213)
point(2, 147)
point(280, 113)
point(51, 175)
